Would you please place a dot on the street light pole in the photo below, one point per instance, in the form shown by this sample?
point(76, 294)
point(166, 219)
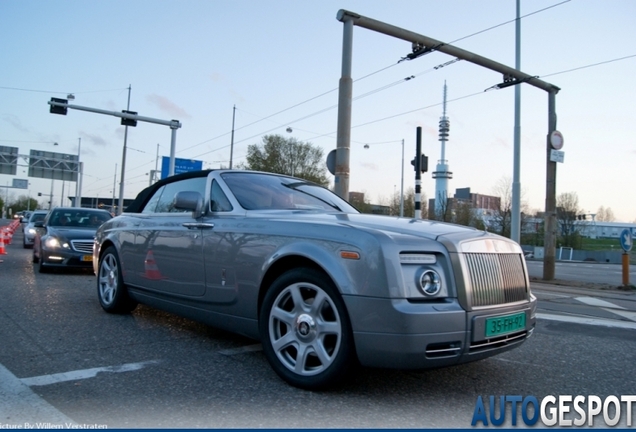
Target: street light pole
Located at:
point(291, 152)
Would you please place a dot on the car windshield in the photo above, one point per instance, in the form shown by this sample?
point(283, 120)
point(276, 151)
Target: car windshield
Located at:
point(258, 191)
point(78, 218)
point(37, 217)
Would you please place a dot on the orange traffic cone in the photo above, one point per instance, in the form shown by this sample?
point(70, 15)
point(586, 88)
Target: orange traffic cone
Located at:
point(151, 270)
point(2, 249)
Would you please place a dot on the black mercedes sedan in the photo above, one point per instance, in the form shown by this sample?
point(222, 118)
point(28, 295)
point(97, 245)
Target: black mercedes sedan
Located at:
point(67, 237)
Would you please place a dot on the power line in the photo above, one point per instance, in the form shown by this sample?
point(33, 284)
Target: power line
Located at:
point(589, 66)
point(59, 92)
point(359, 79)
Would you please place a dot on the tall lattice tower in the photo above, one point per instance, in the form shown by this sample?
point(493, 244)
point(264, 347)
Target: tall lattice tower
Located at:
point(441, 173)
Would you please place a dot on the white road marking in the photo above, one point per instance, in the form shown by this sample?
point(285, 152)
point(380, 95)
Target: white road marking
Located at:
point(242, 350)
point(588, 321)
point(83, 374)
point(627, 314)
point(592, 301)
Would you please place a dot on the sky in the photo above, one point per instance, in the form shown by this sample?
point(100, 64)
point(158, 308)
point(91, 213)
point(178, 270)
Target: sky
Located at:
point(278, 63)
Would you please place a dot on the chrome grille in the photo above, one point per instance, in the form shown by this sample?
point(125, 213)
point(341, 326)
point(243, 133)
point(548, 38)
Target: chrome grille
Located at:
point(83, 246)
point(496, 278)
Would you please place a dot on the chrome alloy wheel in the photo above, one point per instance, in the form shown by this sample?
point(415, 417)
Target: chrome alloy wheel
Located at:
point(305, 329)
point(108, 279)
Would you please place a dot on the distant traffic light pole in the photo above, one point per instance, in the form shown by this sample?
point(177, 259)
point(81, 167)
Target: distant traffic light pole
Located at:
point(128, 118)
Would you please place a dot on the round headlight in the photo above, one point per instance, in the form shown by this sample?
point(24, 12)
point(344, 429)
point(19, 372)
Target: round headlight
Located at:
point(430, 283)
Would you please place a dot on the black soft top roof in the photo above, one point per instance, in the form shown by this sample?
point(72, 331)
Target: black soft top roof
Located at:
point(142, 197)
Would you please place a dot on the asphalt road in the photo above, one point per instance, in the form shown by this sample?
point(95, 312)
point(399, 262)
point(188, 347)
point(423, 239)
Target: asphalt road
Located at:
point(62, 359)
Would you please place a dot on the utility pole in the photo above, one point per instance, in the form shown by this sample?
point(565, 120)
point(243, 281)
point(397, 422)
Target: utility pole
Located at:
point(112, 206)
point(123, 162)
point(78, 181)
point(232, 140)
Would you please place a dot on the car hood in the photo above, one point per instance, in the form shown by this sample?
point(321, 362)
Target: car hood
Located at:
point(72, 233)
point(431, 230)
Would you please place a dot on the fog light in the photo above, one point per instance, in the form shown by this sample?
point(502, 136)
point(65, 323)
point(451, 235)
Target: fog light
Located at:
point(430, 283)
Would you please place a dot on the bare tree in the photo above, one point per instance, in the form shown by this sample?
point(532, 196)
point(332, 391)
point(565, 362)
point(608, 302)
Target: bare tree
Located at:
point(567, 207)
point(605, 214)
point(443, 210)
point(409, 204)
point(502, 217)
point(464, 214)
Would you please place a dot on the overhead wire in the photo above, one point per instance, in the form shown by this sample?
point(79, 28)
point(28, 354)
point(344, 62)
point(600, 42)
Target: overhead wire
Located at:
point(359, 79)
point(381, 89)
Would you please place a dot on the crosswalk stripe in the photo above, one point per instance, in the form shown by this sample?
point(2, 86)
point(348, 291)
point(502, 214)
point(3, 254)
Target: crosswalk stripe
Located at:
point(587, 320)
point(627, 314)
point(592, 301)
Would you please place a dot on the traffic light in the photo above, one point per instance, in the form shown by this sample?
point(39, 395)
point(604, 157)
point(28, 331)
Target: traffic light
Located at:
point(128, 122)
point(423, 163)
point(56, 109)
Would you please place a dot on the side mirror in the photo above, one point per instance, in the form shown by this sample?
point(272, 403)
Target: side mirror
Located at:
point(189, 200)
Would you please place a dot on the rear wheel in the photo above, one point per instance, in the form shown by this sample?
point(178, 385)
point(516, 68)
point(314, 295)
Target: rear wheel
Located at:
point(305, 330)
point(111, 290)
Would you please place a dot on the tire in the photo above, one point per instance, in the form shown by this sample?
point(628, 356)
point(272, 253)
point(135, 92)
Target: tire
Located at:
point(111, 291)
point(308, 345)
point(42, 268)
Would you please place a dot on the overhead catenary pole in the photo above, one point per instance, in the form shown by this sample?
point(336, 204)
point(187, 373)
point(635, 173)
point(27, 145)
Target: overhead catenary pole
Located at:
point(515, 220)
point(549, 244)
point(345, 91)
point(425, 45)
point(123, 162)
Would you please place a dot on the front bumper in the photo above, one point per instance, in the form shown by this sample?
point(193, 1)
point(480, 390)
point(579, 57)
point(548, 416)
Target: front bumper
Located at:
point(65, 258)
point(396, 333)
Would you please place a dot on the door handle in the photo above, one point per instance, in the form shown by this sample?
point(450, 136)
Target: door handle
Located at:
point(198, 225)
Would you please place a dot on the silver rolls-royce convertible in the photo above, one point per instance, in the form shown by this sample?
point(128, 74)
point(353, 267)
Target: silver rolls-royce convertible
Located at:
point(322, 286)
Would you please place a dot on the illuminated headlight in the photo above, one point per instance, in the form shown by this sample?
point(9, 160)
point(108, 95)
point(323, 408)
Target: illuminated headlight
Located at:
point(32, 231)
point(52, 242)
point(430, 283)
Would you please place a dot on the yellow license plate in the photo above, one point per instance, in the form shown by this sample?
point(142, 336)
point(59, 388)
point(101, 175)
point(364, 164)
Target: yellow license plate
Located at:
point(87, 257)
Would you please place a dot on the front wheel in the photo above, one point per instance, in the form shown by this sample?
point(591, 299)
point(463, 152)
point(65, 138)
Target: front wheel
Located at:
point(305, 330)
point(111, 290)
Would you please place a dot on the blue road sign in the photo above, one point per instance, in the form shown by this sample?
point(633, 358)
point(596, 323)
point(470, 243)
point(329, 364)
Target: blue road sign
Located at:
point(180, 166)
point(626, 239)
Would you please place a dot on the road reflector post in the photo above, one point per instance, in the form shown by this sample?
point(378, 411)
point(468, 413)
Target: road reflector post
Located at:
point(626, 269)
